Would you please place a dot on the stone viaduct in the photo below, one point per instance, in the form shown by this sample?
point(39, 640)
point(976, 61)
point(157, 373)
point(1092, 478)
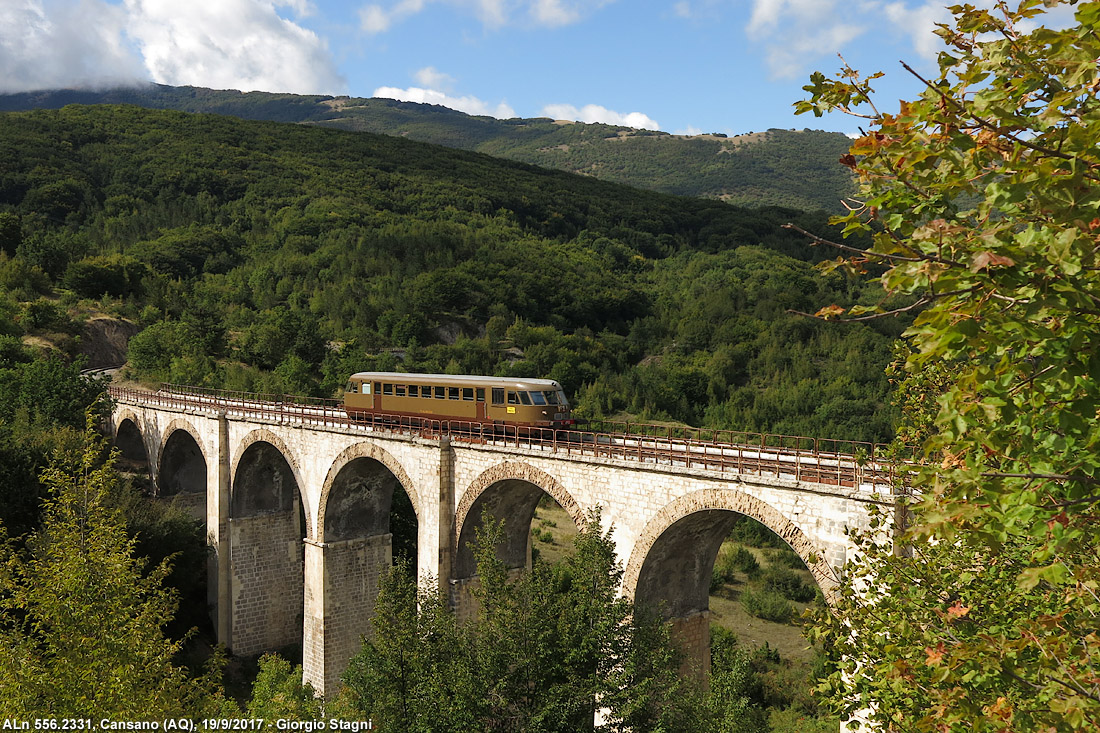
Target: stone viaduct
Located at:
point(297, 506)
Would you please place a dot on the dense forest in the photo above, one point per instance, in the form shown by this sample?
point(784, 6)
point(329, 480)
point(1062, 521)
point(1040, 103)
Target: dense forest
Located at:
point(280, 258)
point(774, 167)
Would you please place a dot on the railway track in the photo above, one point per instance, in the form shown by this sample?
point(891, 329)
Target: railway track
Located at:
point(866, 467)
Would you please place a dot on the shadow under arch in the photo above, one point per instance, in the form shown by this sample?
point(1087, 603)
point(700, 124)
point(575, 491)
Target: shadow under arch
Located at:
point(182, 462)
point(237, 503)
point(670, 566)
point(349, 455)
point(130, 438)
point(510, 492)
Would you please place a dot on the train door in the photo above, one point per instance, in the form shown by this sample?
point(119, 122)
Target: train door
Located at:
point(378, 397)
point(482, 415)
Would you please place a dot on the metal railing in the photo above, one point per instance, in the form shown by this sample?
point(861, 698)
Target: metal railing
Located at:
point(863, 466)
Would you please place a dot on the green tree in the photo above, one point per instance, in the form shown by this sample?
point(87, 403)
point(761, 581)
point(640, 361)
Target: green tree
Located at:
point(414, 674)
point(546, 647)
point(80, 620)
point(278, 693)
point(981, 197)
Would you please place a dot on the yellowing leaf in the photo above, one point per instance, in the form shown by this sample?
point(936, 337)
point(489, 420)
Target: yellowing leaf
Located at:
point(830, 311)
point(986, 259)
point(958, 610)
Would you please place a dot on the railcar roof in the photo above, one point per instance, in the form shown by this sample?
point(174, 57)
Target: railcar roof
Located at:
point(408, 377)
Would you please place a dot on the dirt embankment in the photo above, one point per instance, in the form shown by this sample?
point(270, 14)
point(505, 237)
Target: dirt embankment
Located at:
point(105, 341)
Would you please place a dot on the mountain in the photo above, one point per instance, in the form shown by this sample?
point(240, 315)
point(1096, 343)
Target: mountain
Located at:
point(796, 169)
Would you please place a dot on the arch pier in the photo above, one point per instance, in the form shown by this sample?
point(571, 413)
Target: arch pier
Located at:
point(303, 515)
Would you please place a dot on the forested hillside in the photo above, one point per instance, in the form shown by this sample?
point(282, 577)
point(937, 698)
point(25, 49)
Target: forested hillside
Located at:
point(791, 168)
point(268, 257)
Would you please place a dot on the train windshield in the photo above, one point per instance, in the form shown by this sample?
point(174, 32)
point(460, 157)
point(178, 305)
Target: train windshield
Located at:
point(538, 398)
point(555, 398)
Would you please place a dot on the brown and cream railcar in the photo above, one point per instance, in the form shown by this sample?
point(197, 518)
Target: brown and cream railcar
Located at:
point(500, 400)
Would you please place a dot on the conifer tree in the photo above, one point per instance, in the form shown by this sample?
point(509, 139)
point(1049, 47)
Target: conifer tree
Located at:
point(81, 622)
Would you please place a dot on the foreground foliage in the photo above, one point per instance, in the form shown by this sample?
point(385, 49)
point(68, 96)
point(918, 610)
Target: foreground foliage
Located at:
point(81, 623)
point(543, 648)
point(983, 197)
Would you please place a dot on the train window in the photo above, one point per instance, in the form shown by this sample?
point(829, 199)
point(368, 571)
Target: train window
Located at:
point(512, 398)
point(452, 393)
point(387, 388)
point(480, 394)
point(399, 390)
point(441, 393)
point(551, 397)
point(468, 394)
point(538, 398)
point(378, 388)
point(414, 390)
point(365, 387)
point(498, 396)
point(352, 388)
point(525, 398)
point(561, 399)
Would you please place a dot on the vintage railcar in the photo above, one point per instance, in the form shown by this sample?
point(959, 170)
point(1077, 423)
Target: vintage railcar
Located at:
point(499, 400)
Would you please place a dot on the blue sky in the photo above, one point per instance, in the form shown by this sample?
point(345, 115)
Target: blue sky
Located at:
point(683, 66)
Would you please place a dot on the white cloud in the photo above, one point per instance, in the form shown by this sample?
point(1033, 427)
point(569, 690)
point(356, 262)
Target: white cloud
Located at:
point(787, 60)
point(237, 44)
point(683, 9)
point(376, 18)
point(73, 44)
point(596, 113)
point(432, 78)
point(798, 32)
point(467, 104)
point(689, 130)
point(919, 24)
point(553, 13)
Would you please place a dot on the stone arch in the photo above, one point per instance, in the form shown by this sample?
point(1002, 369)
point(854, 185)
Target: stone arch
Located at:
point(369, 513)
point(671, 563)
point(353, 453)
point(479, 489)
point(127, 446)
point(165, 459)
point(181, 424)
point(711, 500)
point(263, 435)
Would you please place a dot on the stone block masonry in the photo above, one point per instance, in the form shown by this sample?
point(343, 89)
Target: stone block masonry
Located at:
point(352, 572)
point(266, 561)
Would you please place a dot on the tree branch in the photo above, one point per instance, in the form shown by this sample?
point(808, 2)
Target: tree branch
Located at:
point(994, 128)
point(1044, 476)
point(857, 250)
point(870, 317)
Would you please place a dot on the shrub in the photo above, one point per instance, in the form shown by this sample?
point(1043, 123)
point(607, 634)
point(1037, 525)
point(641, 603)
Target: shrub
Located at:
point(745, 561)
point(788, 584)
point(43, 314)
point(788, 558)
point(748, 531)
point(767, 605)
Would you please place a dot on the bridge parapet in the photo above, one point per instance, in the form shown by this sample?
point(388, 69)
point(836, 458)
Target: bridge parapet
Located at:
point(869, 467)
